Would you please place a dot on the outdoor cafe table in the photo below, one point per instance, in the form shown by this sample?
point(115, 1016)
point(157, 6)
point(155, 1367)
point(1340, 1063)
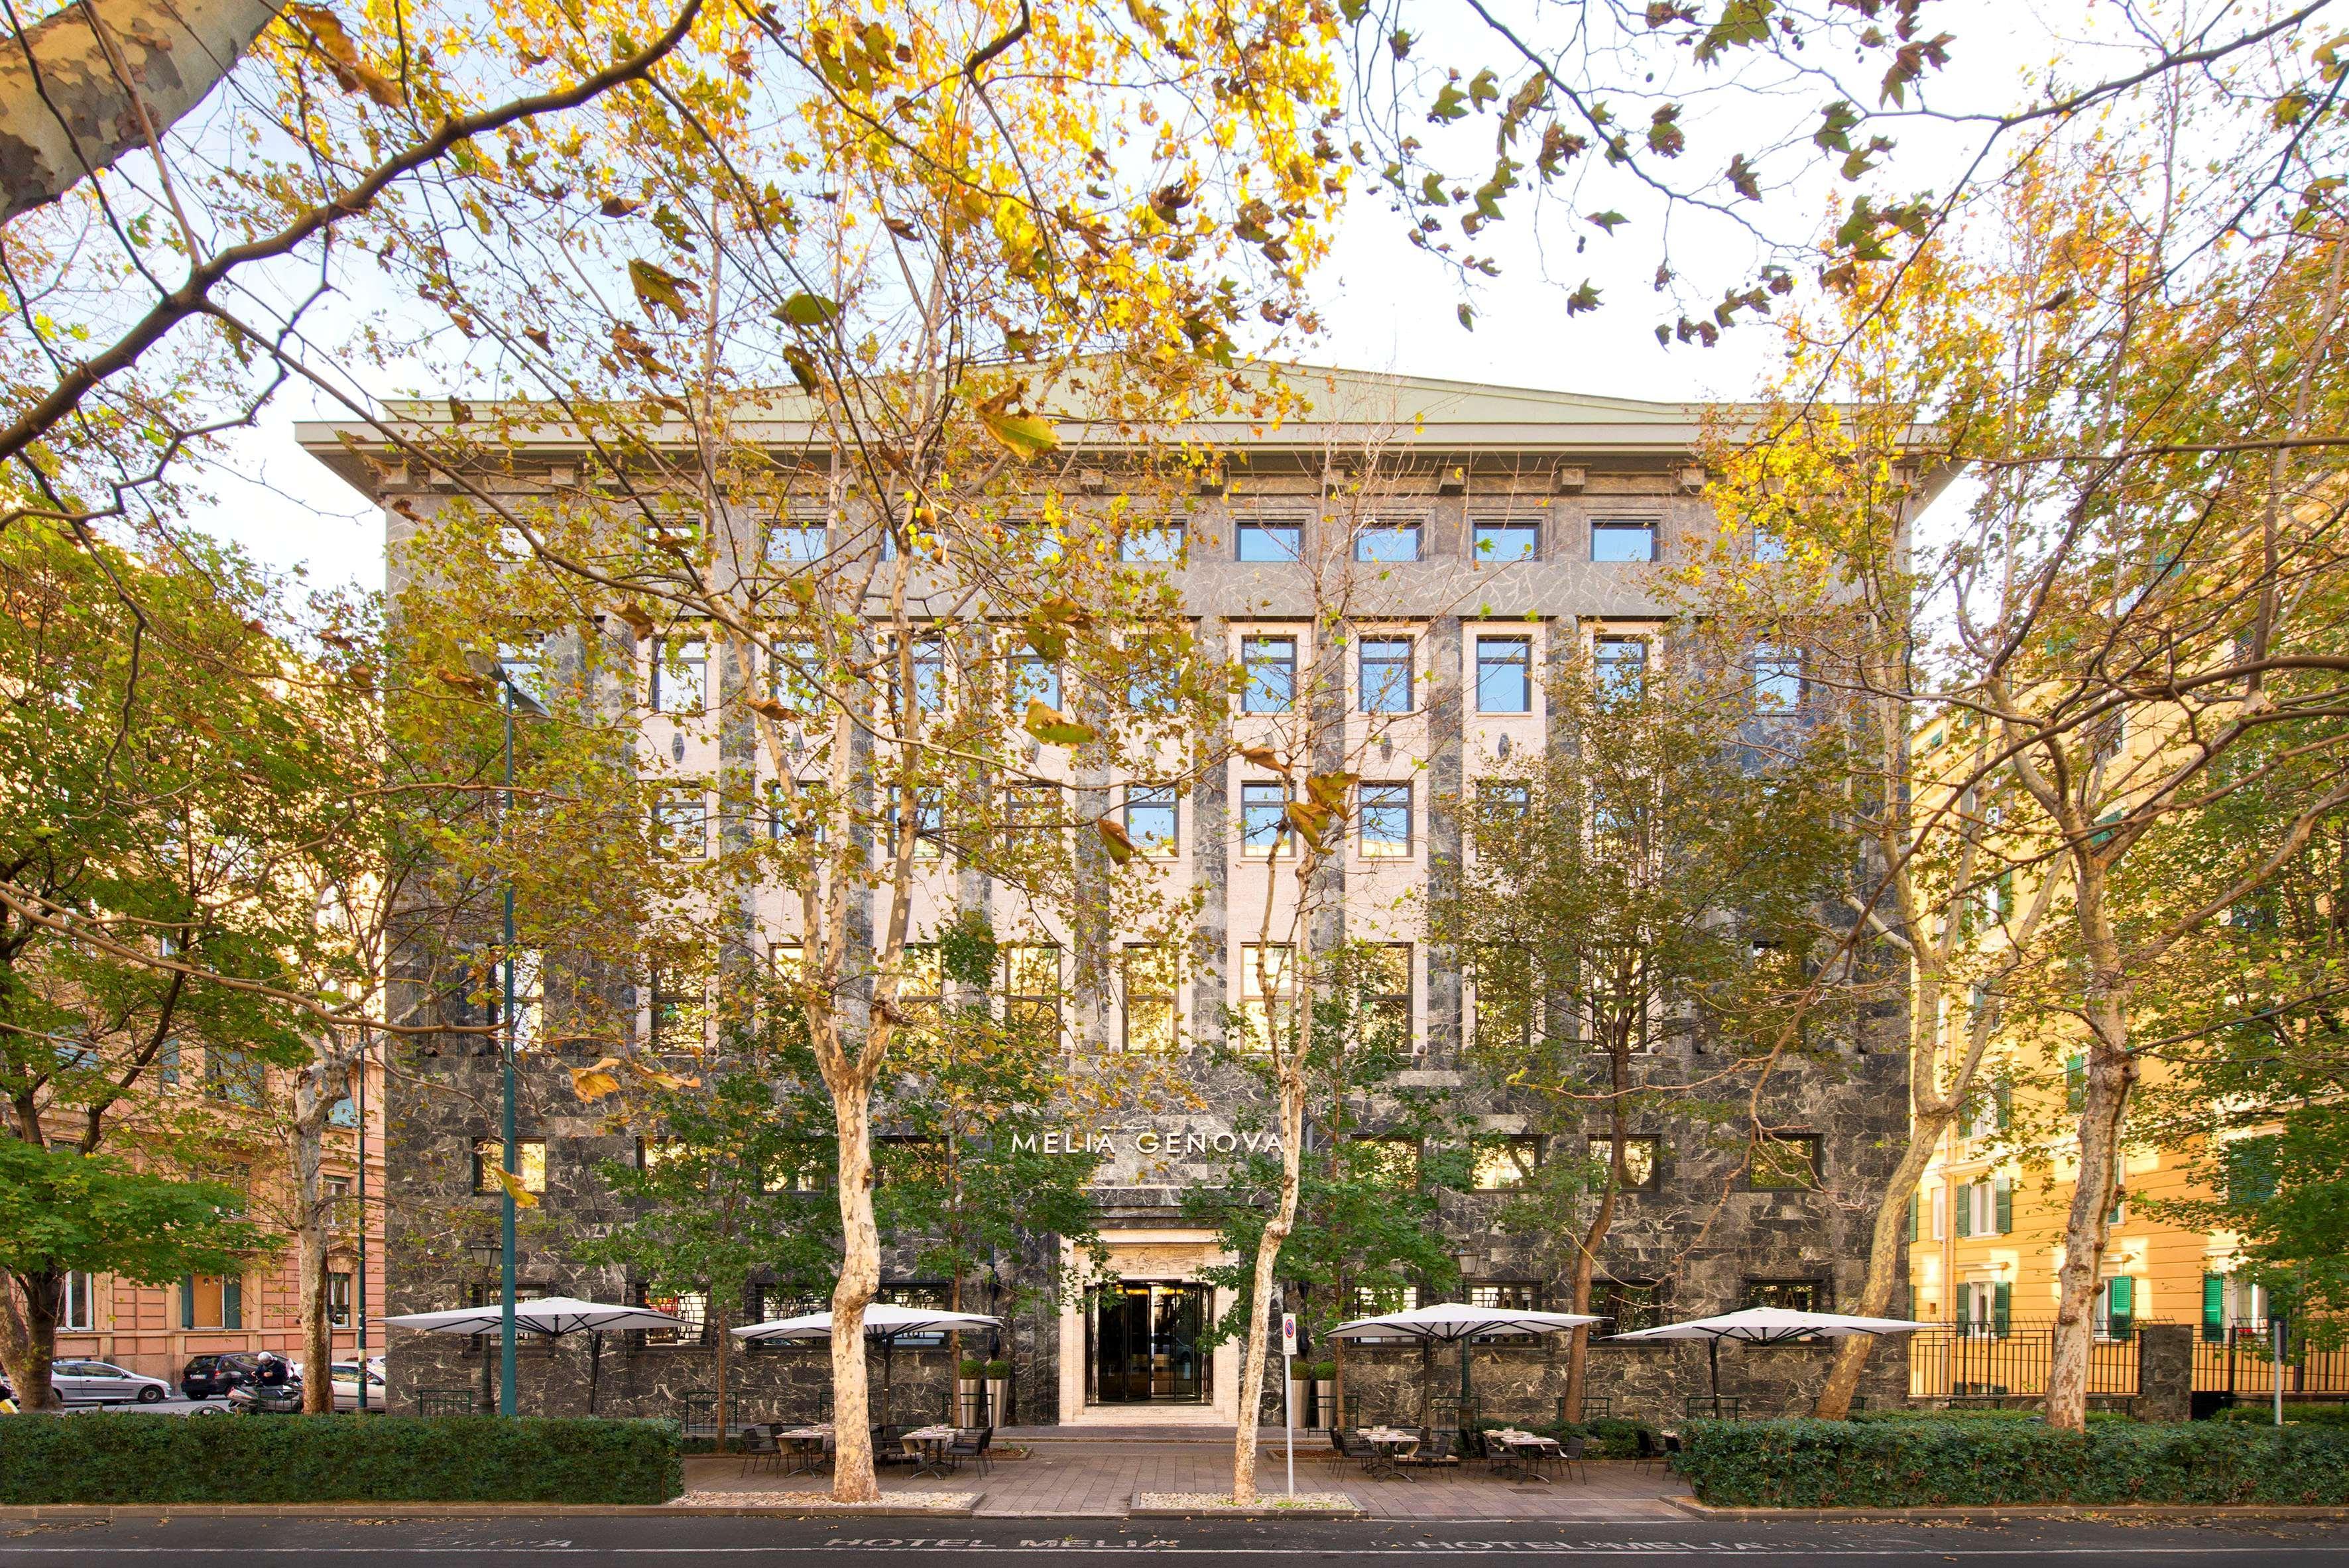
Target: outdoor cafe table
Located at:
point(1389, 1444)
point(933, 1441)
point(1527, 1451)
point(806, 1445)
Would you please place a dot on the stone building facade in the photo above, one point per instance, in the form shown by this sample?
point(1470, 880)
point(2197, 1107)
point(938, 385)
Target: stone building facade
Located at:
point(1512, 527)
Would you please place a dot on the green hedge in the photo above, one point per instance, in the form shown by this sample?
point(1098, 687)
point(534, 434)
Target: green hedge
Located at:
point(337, 1459)
point(2254, 1415)
point(1913, 1463)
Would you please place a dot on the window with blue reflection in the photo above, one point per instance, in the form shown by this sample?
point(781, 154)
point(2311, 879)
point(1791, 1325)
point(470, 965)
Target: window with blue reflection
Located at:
point(1504, 541)
point(1387, 541)
point(1504, 674)
point(1619, 540)
point(1263, 831)
point(1270, 668)
point(1270, 539)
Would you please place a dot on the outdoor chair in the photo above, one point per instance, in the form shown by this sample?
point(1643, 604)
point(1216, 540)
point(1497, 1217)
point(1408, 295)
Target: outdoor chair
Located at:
point(1645, 1449)
point(1571, 1454)
point(889, 1445)
point(970, 1443)
point(1354, 1445)
point(1435, 1448)
point(759, 1445)
point(1474, 1449)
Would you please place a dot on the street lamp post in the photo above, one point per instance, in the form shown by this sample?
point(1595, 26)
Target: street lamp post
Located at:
point(510, 694)
point(1466, 1260)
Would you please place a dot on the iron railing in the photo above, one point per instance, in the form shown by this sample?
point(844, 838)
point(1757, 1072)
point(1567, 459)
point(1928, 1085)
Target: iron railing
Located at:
point(2010, 1360)
point(2238, 1358)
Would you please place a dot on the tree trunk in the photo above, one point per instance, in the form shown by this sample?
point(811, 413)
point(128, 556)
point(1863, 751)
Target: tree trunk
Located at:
point(67, 107)
point(310, 1243)
point(2111, 1072)
point(852, 1479)
point(28, 1336)
point(1267, 1257)
point(1586, 1260)
point(1883, 1265)
point(720, 1321)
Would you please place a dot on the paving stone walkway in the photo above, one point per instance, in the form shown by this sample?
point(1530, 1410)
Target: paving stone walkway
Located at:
point(1090, 1474)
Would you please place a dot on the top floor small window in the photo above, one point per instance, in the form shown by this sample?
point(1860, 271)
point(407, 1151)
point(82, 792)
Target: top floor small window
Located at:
point(1504, 540)
point(1769, 544)
point(1386, 542)
point(1270, 539)
point(1622, 538)
point(795, 543)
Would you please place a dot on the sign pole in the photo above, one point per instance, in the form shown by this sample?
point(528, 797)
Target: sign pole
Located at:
point(1288, 1392)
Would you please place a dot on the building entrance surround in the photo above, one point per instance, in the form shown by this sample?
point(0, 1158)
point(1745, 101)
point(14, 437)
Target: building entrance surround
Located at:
point(1131, 1346)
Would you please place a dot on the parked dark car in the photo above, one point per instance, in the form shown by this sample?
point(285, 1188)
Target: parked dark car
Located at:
point(211, 1376)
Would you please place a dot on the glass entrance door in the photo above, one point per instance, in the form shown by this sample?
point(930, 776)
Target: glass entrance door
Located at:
point(1145, 1343)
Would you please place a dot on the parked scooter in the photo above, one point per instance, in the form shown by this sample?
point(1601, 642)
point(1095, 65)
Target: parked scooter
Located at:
point(266, 1398)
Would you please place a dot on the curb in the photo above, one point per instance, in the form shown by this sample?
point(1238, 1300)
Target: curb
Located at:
point(2148, 1510)
point(1261, 1510)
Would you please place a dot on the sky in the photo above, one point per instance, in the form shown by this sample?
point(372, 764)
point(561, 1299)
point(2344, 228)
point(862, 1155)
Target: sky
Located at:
point(1385, 306)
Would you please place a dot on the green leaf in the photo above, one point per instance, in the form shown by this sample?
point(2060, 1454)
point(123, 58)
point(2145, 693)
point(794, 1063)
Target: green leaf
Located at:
point(658, 288)
point(807, 310)
point(1053, 727)
point(1582, 299)
point(1022, 434)
point(1115, 840)
point(1606, 221)
point(1467, 318)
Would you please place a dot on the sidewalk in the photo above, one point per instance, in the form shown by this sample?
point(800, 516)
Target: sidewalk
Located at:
point(1086, 1473)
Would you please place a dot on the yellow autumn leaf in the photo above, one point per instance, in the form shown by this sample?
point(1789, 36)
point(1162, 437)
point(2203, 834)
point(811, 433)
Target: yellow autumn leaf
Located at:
point(593, 1083)
point(1022, 434)
point(522, 1196)
point(1115, 840)
point(662, 1079)
point(1053, 727)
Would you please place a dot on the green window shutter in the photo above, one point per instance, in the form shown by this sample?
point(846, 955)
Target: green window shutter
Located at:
point(2003, 1194)
point(2002, 1098)
point(1915, 1201)
point(2006, 896)
point(2076, 1081)
point(1965, 1307)
point(2214, 1307)
point(1965, 1206)
point(187, 1301)
point(231, 1302)
point(2123, 1312)
point(2001, 1307)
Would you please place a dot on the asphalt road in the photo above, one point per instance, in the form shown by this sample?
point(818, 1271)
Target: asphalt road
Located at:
point(645, 1542)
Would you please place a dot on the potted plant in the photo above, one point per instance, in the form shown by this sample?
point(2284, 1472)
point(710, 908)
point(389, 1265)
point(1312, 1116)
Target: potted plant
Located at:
point(998, 1377)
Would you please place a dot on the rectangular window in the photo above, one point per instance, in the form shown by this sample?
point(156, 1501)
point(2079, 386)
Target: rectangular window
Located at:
point(1627, 1304)
point(1268, 667)
point(1941, 1214)
point(929, 827)
point(1270, 539)
point(1620, 665)
point(1643, 1170)
point(680, 667)
point(795, 543)
point(1152, 819)
point(1622, 538)
point(1391, 1160)
point(2250, 1166)
point(2116, 1309)
point(1032, 988)
point(691, 1310)
point(681, 823)
point(1769, 545)
point(1152, 545)
point(1384, 675)
point(1388, 982)
point(1031, 678)
point(673, 1010)
point(930, 673)
point(1505, 1164)
point(795, 673)
point(338, 1298)
point(1507, 1296)
point(1153, 1014)
point(1504, 674)
point(1984, 1308)
point(1380, 543)
point(1793, 1295)
point(530, 1157)
point(921, 984)
point(1490, 540)
point(1032, 817)
point(80, 1302)
point(1501, 807)
point(1386, 820)
point(1778, 678)
point(1264, 829)
point(1786, 1161)
point(232, 1076)
point(1267, 985)
point(1501, 974)
point(341, 1213)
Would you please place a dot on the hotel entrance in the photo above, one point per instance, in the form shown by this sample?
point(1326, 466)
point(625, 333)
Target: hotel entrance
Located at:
point(1143, 1344)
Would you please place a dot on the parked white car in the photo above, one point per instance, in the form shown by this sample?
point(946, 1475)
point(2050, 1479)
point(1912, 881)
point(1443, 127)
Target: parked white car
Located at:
point(345, 1375)
point(104, 1383)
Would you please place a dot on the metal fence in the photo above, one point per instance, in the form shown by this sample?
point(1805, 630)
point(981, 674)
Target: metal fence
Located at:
point(2240, 1358)
point(1997, 1361)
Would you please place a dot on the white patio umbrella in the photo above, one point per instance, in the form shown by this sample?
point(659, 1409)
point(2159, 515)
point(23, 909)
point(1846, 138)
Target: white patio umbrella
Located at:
point(1457, 1323)
point(1768, 1326)
point(884, 1321)
point(552, 1316)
